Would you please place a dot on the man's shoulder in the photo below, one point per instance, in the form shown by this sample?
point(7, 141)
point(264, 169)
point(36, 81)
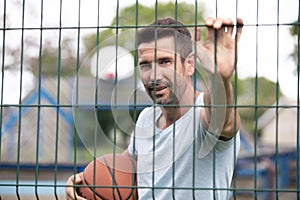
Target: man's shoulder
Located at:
point(200, 100)
point(146, 114)
point(150, 111)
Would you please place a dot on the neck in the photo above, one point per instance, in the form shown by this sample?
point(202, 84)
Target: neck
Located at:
point(172, 113)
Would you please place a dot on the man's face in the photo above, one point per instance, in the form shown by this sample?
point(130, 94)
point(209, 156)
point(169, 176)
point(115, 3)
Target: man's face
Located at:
point(163, 74)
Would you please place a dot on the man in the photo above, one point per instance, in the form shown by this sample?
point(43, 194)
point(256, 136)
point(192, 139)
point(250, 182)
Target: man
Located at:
point(186, 144)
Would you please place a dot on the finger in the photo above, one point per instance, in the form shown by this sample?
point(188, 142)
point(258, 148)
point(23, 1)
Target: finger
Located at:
point(70, 191)
point(197, 35)
point(74, 196)
point(210, 30)
point(240, 25)
point(220, 27)
point(218, 23)
point(210, 21)
point(77, 178)
point(228, 24)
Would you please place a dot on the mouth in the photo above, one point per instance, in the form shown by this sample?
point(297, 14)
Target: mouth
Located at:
point(159, 89)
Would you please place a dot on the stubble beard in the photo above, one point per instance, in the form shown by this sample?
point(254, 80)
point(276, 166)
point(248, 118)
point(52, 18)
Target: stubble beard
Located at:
point(168, 99)
point(171, 96)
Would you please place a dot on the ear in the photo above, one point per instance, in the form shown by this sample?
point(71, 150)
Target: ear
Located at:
point(189, 64)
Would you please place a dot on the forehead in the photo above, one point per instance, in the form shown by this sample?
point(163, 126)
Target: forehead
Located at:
point(161, 46)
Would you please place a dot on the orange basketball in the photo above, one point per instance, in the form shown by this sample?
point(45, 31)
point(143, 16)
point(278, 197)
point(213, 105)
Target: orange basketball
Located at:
point(111, 176)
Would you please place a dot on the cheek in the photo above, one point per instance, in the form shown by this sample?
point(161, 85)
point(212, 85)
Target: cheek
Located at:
point(144, 76)
point(182, 79)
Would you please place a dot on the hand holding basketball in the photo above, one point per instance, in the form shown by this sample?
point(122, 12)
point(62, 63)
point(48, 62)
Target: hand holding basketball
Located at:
point(70, 193)
point(109, 177)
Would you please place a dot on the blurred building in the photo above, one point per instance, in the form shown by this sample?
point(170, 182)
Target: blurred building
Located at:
point(42, 128)
point(279, 124)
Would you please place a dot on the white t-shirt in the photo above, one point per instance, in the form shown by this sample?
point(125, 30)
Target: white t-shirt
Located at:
point(188, 162)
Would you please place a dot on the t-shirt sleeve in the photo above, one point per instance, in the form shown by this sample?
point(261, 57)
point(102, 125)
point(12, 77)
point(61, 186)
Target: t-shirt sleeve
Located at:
point(208, 142)
point(132, 150)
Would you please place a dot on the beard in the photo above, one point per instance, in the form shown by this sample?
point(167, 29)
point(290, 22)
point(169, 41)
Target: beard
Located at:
point(163, 92)
point(164, 99)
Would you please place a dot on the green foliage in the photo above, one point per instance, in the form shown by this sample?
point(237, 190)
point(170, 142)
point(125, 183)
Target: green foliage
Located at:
point(93, 40)
point(138, 16)
point(49, 65)
point(54, 60)
point(240, 85)
point(255, 96)
point(294, 31)
point(142, 15)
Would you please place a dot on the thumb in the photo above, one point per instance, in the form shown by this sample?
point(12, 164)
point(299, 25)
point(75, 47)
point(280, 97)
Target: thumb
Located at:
point(70, 191)
point(77, 178)
point(196, 36)
point(205, 58)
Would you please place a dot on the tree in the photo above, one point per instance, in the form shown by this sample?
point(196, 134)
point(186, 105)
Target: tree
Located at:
point(134, 16)
point(294, 31)
point(34, 50)
point(254, 97)
point(55, 61)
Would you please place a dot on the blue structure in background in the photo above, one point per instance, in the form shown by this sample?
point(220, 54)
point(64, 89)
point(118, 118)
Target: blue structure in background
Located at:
point(266, 164)
point(11, 120)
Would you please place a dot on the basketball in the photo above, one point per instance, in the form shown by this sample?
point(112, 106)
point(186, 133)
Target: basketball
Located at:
point(108, 177)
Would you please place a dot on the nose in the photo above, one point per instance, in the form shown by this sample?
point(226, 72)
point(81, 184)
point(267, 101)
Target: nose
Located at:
point(156, 73)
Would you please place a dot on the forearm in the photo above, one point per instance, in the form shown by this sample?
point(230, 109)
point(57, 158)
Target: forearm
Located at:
point(218, 56)
point(219, 116)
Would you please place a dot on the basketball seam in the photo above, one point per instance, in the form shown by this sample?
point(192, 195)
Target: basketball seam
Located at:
point(113, 178)
point(134, 180)
point(94, 191)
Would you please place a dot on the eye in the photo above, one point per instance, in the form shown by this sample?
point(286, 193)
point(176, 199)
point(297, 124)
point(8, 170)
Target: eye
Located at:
point(145, 66)
point(165, 62)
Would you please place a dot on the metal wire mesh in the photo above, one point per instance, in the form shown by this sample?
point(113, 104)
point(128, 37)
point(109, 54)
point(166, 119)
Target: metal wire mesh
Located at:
point(57, 114)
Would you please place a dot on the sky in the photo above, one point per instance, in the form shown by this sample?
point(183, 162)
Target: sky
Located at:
point(263, 50)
